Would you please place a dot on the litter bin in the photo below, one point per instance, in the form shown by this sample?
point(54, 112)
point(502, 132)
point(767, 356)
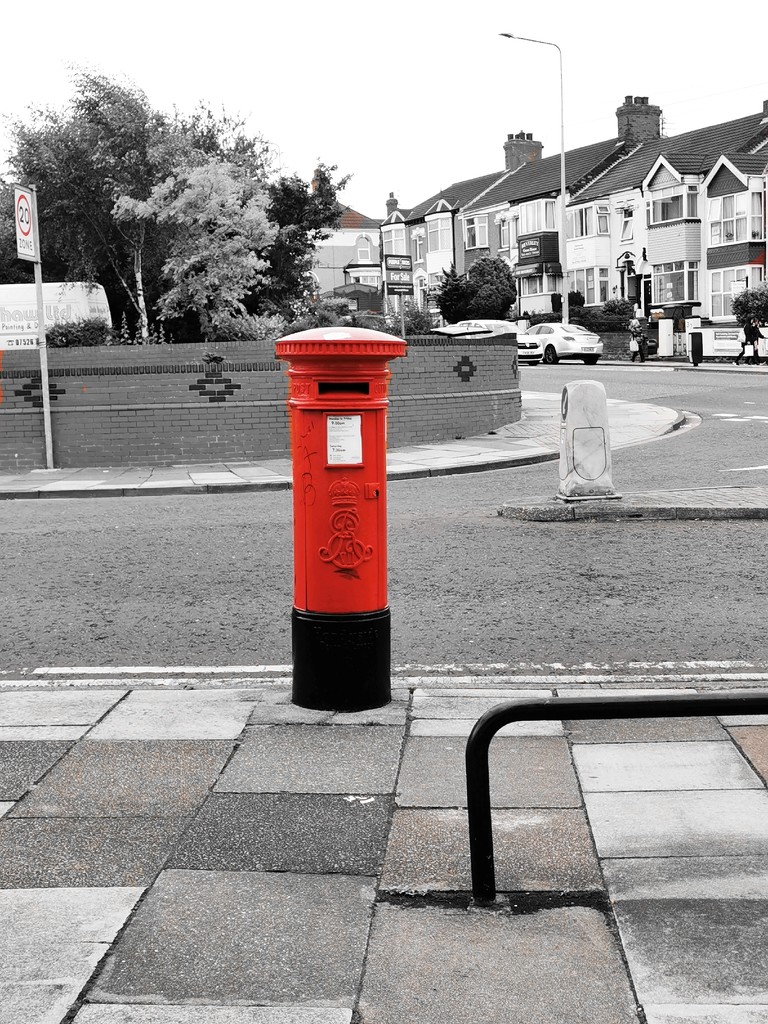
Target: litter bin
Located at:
point(697, 347)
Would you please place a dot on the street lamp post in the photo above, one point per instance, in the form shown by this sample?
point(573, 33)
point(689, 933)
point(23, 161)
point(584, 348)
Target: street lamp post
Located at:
point(563, 218)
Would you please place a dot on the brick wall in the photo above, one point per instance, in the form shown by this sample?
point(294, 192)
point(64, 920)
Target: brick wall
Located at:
point(159, 405)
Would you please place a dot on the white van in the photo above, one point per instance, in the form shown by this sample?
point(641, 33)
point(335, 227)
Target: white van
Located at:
point(63, 302)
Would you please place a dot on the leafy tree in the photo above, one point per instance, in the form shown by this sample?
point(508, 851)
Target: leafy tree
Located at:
point(303, 216)
point(752, 302)
point(220, 224)
point(453, 296)
point(96, 158)
point(492, 289)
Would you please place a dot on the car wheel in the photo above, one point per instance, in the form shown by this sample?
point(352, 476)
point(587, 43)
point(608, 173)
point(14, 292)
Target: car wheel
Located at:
point(590, 360)
point(550, 355)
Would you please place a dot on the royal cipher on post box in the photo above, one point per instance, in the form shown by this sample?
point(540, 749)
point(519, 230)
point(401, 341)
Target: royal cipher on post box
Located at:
point(339, 379)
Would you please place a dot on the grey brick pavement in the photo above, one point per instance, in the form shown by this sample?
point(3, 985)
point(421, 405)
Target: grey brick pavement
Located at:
point(318, 873)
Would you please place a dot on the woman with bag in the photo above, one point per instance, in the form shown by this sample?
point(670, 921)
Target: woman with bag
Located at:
point(636, 340)
point(751, 335)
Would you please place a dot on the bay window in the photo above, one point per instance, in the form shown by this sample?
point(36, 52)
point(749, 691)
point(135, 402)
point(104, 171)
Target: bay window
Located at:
point(735, 218)
point(592, 283)
point(676, 282)
point(720, 286)
point(674, 203)
point(537, 216)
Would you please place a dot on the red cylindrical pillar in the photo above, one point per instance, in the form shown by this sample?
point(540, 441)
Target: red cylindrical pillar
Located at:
point(337, 404)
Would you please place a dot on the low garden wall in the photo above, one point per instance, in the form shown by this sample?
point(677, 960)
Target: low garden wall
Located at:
point(166, 404)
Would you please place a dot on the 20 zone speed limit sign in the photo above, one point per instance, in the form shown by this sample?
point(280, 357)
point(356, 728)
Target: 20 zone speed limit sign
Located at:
point(25, 235)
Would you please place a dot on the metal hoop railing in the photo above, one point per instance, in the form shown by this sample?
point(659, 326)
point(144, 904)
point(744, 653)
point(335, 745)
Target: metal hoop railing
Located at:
point(560, 709)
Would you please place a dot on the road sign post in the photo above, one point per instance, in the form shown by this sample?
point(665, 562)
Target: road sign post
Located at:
point(28, 248)
point(398, 280)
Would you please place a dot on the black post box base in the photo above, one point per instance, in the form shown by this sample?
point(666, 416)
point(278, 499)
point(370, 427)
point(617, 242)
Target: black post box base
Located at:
point(341, 662)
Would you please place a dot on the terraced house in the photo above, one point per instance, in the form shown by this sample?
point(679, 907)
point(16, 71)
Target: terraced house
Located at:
point(674, 224)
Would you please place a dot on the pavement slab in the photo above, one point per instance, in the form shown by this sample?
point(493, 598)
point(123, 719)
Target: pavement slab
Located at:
point(128, 778)
point(721, 878)
point(696, 951)
point(469, 705)
point(56, 708)
point(615, 767)
point(307, 832)
point(179, 715)
point(127, 1014)
point(524, 772)
point(534, 850)
point(50, 942)
point(753, 741)
point(24, 762)
point(644, 730)
point(297, 759)
point(436, 964)
point(690, 824)
point(69, 852)
point(242, 937)
point(723, 1014)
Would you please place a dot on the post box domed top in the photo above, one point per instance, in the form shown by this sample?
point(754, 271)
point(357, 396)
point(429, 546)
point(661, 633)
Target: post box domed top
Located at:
point(340, 341)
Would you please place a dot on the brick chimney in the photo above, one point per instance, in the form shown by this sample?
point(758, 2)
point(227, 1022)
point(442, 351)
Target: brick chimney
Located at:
point(520, 149)
point(638, 120)
point(391, 204)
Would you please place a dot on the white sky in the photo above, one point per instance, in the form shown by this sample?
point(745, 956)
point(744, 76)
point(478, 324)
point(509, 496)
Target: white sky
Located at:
point(406, 97)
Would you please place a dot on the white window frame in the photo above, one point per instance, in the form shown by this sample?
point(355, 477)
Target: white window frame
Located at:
point(662, 198)
point(363, 251)
point(603, 219)
point(504, 234)
point(394, 241)
point(537, 216)
point(665, 274)
point(720, 295)
point(476, 232)
point(627, 225)
point(745, 224)
point(526, 282)
point(439, 234)
point(418, 248)
point(592, 282)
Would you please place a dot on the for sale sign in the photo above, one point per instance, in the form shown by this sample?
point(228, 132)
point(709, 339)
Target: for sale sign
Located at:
point(26, 242)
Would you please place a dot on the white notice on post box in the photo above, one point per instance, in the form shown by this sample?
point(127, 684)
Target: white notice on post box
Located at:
point(345, 440)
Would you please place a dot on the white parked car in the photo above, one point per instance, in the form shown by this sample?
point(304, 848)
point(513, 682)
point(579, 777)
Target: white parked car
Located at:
point(566, 341)
point(529, 349)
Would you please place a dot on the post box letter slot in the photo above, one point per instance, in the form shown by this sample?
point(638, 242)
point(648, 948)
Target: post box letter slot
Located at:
point(331, 387)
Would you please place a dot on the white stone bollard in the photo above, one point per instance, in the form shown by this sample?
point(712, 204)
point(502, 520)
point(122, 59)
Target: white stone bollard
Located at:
point(585, 443)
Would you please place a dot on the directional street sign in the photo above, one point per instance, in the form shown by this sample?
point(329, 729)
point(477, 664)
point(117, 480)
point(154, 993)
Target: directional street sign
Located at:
point(26, 242)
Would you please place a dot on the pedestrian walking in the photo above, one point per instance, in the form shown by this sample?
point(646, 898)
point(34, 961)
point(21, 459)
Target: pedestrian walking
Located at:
point(749, 339)
point(637, 342)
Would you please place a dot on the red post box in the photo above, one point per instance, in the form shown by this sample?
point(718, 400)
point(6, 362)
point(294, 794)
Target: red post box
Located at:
point(337, 403)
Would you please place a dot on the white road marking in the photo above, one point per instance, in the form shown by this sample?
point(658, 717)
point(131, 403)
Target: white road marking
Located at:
point(187, 670)
point(743, 469)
